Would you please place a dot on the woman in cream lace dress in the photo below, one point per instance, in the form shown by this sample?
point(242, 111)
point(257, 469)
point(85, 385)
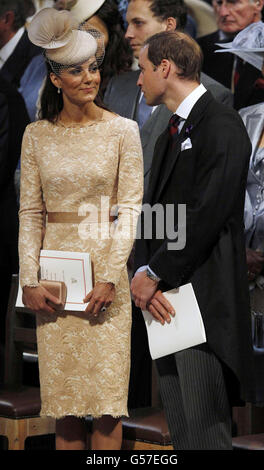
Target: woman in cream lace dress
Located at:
point(79, 154)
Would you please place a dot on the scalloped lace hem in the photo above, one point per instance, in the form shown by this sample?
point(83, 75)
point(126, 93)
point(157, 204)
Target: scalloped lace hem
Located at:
point(82, 415)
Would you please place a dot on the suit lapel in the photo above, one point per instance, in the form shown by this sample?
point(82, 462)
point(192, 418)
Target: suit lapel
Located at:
point(152, 129)
point(161, 148)
point(159, 153)
point(133, 94)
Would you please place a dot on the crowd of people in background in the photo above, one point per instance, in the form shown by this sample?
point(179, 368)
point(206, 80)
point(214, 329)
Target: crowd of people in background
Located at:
point(125, 26)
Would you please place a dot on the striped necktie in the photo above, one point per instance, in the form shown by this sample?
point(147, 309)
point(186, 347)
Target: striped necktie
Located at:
point(174, 125)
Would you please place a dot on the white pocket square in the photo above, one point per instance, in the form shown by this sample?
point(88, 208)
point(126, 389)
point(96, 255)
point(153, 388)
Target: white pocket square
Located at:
point(187, 144)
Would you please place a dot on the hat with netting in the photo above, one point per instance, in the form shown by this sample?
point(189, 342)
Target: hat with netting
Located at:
point(56, 31)
point(248, 45)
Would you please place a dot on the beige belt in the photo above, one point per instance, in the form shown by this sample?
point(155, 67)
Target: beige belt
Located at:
point(75, 218)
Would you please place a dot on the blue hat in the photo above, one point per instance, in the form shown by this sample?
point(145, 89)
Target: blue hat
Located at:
point(248, 45)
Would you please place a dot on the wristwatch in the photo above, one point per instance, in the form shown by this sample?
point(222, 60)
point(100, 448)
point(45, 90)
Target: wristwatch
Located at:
point(152, 276)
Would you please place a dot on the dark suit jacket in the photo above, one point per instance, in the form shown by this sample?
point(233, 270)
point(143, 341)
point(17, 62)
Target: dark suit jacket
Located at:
point(16, 64)
point(13, 120)
point(220, 67)
point(210, 178)
point(122, 95)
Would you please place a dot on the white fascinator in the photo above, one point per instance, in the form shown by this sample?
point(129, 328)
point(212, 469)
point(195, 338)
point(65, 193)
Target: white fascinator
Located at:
point(56, 31)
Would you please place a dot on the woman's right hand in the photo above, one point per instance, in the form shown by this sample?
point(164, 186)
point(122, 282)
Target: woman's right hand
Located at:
point(39, 299)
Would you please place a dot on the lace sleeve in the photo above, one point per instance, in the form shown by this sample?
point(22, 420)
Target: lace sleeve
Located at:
point(30, 213)
point(129, 199)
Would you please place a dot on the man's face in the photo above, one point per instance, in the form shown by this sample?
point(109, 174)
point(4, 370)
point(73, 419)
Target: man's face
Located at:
point(141, 24)
point(150, 79)
point(6, 27)
point(234, 15)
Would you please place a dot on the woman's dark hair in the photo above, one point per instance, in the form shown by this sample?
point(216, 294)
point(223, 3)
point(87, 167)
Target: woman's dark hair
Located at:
point(51, 102)
point(118, 54)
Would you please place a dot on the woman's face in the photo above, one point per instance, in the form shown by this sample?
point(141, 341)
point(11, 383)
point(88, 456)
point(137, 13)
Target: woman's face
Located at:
point(97, 23)
point(79, 83)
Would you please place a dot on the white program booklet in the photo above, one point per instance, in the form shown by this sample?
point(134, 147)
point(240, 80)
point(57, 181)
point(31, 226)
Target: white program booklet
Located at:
point(74, 268)
point(186, 328)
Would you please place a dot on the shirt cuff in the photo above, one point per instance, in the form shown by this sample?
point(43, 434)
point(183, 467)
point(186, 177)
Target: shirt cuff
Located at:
point(144, 268)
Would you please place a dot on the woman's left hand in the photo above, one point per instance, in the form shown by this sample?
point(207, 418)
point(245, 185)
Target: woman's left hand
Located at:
point(100, 297)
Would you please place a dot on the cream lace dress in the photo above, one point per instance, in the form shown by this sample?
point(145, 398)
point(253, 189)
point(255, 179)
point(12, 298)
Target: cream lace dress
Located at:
point(83, 362)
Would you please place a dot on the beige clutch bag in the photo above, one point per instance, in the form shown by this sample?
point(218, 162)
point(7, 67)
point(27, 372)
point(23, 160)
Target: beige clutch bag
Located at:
point(56, 288)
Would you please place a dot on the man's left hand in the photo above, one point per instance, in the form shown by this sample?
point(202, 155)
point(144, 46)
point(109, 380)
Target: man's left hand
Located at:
point(143, 288)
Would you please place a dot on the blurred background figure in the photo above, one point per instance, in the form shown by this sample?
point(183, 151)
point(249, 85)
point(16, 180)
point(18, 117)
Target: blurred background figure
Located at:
point(200, 18)
point(233, 16)
point(39, 4)
point(29, 9)
point(249, 46)
point(13, 120)
point(201, 14)
point(16, 51)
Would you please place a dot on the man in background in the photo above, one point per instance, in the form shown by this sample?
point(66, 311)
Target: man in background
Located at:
point(16, 51)
point(242, 78)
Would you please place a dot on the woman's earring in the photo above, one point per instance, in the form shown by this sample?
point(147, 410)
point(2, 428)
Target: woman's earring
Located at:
point(58, 90)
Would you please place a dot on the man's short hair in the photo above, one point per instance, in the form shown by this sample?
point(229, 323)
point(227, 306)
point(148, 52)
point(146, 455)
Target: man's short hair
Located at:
point(163, 9)
point(17, 6)
point(178, 47)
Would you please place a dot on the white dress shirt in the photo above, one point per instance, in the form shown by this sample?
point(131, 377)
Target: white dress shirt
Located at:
point(10, 46)
point(183, 112)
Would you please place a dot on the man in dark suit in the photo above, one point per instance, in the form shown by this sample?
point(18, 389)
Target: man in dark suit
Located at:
point(16, 51)
point(242, 78)
point(144, 18)
point(200, 161)
point(147, 17)
point(13, 120)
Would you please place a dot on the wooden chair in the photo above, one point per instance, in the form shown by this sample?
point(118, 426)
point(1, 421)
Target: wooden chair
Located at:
point(250, 442)
point(20, 404)
point(145, 429)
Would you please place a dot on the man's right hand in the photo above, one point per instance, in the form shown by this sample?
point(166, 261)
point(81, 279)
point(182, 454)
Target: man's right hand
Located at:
point(37, 298)
point(160, 308)
point(255, 263)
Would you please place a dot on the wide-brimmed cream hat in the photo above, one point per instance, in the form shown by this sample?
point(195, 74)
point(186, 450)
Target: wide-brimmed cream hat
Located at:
point(56, 32)
point(84, 9)
point(204, 16)
point(248, 45)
